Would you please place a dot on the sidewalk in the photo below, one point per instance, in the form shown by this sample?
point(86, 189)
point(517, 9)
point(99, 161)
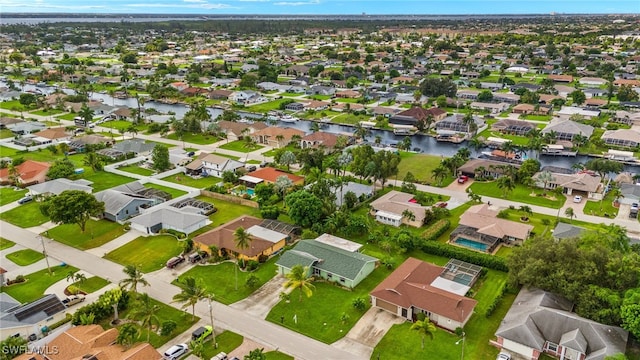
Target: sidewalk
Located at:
point(115, 243)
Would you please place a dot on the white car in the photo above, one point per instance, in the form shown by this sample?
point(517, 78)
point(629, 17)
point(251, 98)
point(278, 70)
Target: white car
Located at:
point(504, 356)
point(175, 352)
point(577, 199)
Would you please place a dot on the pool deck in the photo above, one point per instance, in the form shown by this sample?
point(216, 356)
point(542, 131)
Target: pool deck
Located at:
point(495, 250)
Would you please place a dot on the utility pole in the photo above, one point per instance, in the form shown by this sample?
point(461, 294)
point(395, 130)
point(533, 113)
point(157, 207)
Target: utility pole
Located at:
point(44, 252)
point(213, 330)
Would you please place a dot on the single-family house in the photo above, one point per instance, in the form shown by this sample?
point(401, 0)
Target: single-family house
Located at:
point(566, 112)
point(506, 97)
point(120, 206)
point(584, 183)
point(493, 108)
point(28, 173)
point(169, 218)
point(542, 322)
point(330, 258)
point(212, 165)
point(485, 168)
point(629, 138)
point(138, 147)
point(457, 124)
point(467, 94)
point(236, 130)
point(57, 186)
point(566, 231)
point(55, 135)
point(514, 127)
point(531, 109)
point(268, 175)
point(220, 94)
point(361, 191)
point(264, 241)
point(561, 78)
point(480, 225)
point(26, 127)
point(275, 136)
point(567, 129)
point(391, 208)
point(79, 144)
point(417, 114)
point(88, 342)
point(22, 320)
point(6, 121)
point(348, 94)
point(630, 194)
point(417, 287)
point(321, 90)
point(592, 81)
point(247, 97)
point(319, 138)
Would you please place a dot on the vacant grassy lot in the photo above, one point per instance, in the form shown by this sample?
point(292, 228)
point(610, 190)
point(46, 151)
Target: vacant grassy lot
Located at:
point(49, 112)
point(277, 355)
point(227, 211)
point(319, 316)
point(149, 253)
point(13, 105)
point(134, 169)
point(420, 165)
point(37, 283)
point(201, 183)
point(350, 119)
point(174, 192)
point(520, 194)
point(219, 279)
point(104, 180)
point(10, 194)
point(266, 107)
point(96, 233)
point(241, 146)
point(25, 257)
point(92, 284)
point(5, 244)
point(201, 139)
point(25, 216)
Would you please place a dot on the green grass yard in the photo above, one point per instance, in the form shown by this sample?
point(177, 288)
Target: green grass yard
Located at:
point(37, 283)
point(174, 192)
point(149, 253)
point(201, 183)
point(277, 355)
point(600, 208)
point(219, 279)
point(10, 194)
point(266, 107)
point(25, 257)
point(134, 169)
point(200, 139)
point(50, 112)
point(420, 165)
point(240, 146)
point(5, 134)
point(97, 233)
point(91, 285)
point(520, 194)
point(25, 216)
point(6, 244)
point(103, 180)
point(227, 342)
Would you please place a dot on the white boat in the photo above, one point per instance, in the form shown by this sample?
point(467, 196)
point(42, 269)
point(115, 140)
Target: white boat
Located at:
point(288, 119)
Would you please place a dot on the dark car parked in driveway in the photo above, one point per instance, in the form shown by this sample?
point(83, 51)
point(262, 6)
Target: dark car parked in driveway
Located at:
point(175, 261)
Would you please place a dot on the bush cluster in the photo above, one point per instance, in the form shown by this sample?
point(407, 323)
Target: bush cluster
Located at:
point(438, 228)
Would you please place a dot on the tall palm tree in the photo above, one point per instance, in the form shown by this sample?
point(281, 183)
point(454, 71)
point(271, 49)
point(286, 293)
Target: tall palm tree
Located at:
point(439, 173)
point(134, 278)
point(299, 278)
point(93, 161)
point(145, 311)
point(570, 214)
point(424, 328)
point(192, 292)
point(127, 335)
point(86, 113)
point(242, 238)
point(133, 130)
point(506, 184)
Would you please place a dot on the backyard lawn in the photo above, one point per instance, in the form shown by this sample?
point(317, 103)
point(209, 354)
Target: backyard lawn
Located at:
point(149, 253)
point(103, 180)
point(520, 194)
point(134, 169)
point(227, 342)
point(219, 279)
point(174, 192)
point(91, 284)
point(201, 139)
point(96, 233)
point(266, 107)
point(165, 313)
point(37, 283)
point(241, 146)
point(201, 183)
point(319, 316)
point(6, 133)
point(5, 244)
point(10, 194)
point(25, 216)
point(227, 211)
point(25, 257)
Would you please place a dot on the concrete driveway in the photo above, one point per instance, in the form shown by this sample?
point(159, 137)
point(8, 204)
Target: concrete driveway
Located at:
point(623, 211)
point(262, 300)
point(368, 331)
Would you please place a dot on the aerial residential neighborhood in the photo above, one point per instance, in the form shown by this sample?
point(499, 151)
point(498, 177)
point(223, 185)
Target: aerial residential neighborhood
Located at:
point(311, 187)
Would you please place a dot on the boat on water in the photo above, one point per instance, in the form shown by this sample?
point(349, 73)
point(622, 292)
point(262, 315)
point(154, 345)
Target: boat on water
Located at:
point(288, 119)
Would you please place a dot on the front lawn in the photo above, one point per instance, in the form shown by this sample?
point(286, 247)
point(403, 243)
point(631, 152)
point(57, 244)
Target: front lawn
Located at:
point(149, 253)
point(6, 133)
point(10, 194)
point(96, 233)
point(103, 180)
point(25, 257)
point(37, 283)
point(320, 316)
point(600, 208)
point(165, 313)
point(123, 124)
point(351, 119)
point(240, 146)
point(49, 112)
point(521, 194)
point(134, 169)
point(173, 192)
point(201, 183)
point(227, 342)
point(277, 355)
point(91, 284)
point(5, 244)
point(266, 106)
point(200, 139)
point(219, 279)
point(25, 216)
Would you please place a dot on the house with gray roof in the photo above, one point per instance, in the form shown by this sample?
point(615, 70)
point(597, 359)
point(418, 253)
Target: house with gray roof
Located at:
point(565, 231)
point(630, 194)
point(26, 127)
point(135, 146)
point(57, 186)
point(362, 191)
point(119, 206)
point(541, 322)
point(325, 260)
point(169, 218)
point(18, 319)
point(567, 129)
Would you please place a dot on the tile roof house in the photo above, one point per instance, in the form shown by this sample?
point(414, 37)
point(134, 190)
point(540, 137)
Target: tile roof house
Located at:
point(264, 241)
point(86, 342)
point(414, 288)
point(235, 130)
point(268, 175)
point(331, 259)
point(29, 172)
point(389, 208)
point(567, 129)
point(319, 138)
point(54, 135)
point(26, 319)
point(416, 114)
point(271, 136)
point(169, 218)
point(584, 183)
point(629, 138)
point(541, 322)
point(489, 168)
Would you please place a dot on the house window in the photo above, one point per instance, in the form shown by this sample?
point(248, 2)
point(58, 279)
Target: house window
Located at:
point(316, 271)
point(404, 312)
point(342, 280)
point(329, 276)
point(551, 347)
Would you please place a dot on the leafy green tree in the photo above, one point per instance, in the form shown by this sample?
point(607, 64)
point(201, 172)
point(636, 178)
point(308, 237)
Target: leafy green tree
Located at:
point(12, 347)
point(424, 328)
point(434, 87)
point(299, 278)
point(386, 165)
point(146, 312)
point(578, 97)
point(198, 348)
point(93, 160)
point(305, 209)
point(134, 278)
point(160, 157)
point(627, 93)
point(112, 298)
point(61, 168)
point(287, 158)
point(72, 207)
point(127, 335)
point(604, 166)
point(256, 354)
point(191, 292)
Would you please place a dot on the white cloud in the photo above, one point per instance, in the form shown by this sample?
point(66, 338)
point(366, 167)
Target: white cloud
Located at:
point(297, 3)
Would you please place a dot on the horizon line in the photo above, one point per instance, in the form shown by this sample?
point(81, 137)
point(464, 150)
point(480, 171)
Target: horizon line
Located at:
point(549, 13)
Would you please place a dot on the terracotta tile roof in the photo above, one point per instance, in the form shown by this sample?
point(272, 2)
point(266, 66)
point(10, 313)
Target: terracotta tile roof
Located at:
point(274, 131)
point(270, 174)
point(486, 222)
point(53, 133)
point(28, 171)
point(410, 285)
point(322, 138)
point(237, 128)
point(222, 237)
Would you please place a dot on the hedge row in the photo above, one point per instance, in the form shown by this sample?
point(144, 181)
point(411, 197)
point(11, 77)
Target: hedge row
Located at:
point(496, 301)
point(486, 260)
point(434, 231)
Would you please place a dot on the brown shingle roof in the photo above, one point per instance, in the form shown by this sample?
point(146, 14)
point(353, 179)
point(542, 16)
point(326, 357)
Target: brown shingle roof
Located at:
point(222, 237)
point(486, 222)
point(53, 133)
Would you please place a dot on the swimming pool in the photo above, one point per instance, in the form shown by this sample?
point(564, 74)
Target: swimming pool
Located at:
point(249, 191)
point(471, 244)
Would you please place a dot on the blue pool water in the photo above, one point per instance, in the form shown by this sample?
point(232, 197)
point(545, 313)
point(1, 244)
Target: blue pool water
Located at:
point(471, 244)
point(249, 191)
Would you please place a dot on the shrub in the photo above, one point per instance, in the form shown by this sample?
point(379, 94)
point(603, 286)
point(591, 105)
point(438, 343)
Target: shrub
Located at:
point(503, 214)
point(252, 282)
point(359, 304)
point(73, 290)
point(496, 301)
point(270, 212)
point(262, 258)
point(55, 325)
point(459, 331)
point(438, 228)
point(546, 222)
point(167, 327)
point(470, 256)
point(252, 265)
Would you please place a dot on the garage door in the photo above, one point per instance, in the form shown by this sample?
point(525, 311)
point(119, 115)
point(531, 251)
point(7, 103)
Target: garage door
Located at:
point(387, 306)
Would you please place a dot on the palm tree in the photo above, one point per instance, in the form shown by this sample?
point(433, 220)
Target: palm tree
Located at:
point(145, 311)
point(197, 348)
point(86, 113)
point(192, 292)
point(508, 148)
point(299, 278)
point(424, 328)
point(545, 177)
point(506, 184)
point(127, 335)
point(315, 127)
point(242, 238)
point(570, 214)
point(133, 130)
point(80, 278)
point(93, 161)
point(409, 215)
point(287, 158)
point(124, 78)
point(405, 144)
point(134, 278)
point(122, 131)
point(526, 211)
point(439, 173)
point(279, 139)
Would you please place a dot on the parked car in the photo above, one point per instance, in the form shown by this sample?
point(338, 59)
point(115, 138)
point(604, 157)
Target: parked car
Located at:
point(220, 356)
point(195, 257)
point(175, 352)
point(441, 204)
point(174, 261)
point(25, 200)
point(577, 199)
point(462, 179)
point(634, 206)
point(191, 153)
point(201, 333)
point(72, 300)
point(251, 168)
point(264, 164)
point(504, 356)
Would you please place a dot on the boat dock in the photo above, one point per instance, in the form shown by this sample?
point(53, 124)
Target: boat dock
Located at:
point(560, 153)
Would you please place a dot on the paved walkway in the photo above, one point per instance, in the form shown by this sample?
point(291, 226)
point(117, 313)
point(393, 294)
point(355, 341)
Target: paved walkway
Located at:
point(262, 300)
point(115, 243)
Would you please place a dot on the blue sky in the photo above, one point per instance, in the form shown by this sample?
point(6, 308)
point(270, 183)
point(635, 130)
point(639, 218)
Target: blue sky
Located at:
point(373, 7)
